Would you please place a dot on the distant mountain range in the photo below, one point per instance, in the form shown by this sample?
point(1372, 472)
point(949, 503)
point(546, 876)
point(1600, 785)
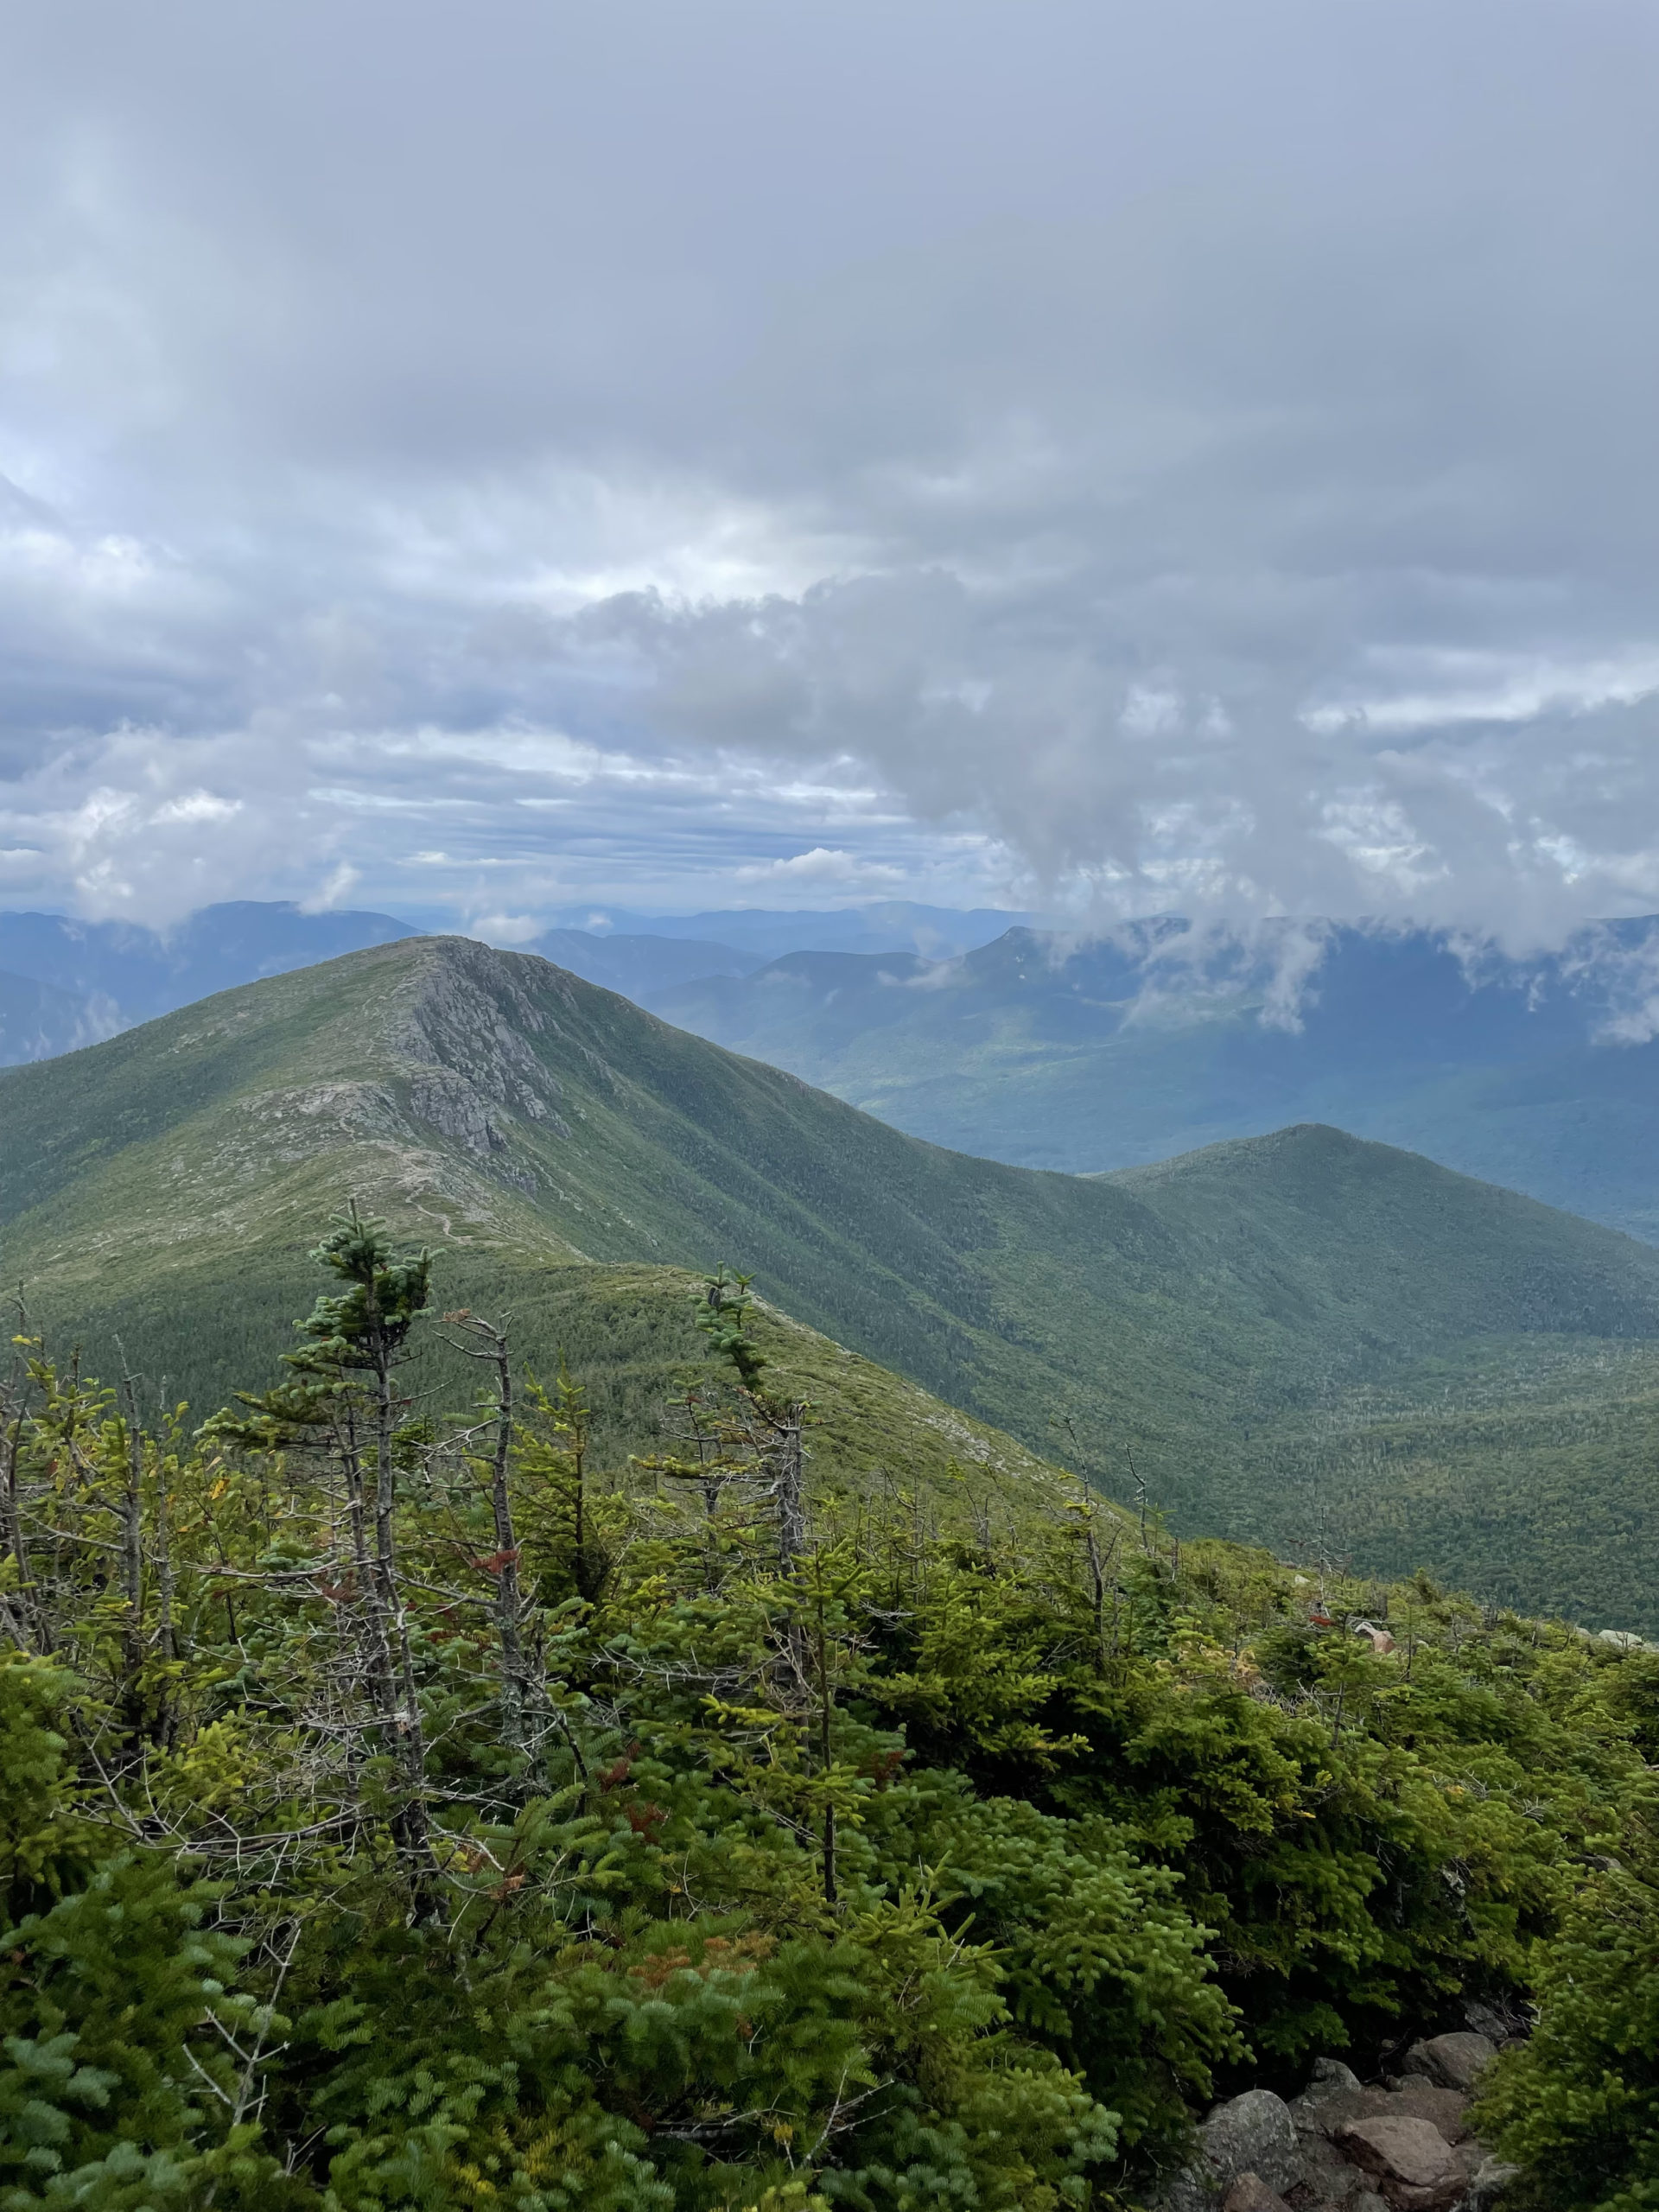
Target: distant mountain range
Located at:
point(1037, 1049)
point(65, 984)
point(766, 933)
point(1042, 1051)
point(1302, 1340)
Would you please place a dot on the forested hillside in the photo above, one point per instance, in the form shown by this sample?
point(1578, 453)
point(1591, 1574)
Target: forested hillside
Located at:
point(1245, 1353)
point(411, 1804)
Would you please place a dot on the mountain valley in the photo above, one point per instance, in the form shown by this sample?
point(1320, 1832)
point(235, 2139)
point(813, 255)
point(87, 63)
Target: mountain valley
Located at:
point(1154, 1038)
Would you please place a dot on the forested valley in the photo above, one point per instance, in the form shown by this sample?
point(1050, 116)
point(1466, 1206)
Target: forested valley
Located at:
point(404, 1808)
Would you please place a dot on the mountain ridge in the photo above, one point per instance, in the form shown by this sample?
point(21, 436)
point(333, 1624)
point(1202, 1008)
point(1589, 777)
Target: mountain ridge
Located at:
point(1090, 1054)
point(1217, 1327)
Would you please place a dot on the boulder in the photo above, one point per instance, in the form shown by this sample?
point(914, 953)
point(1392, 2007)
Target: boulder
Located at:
point(1487, 2021)
point(1418, 2097)
point(1456, 2061)
point(1326, 2174)
point(1335, 2093)
point(1415, 2168)
point(1249, 2193)
point(1624, 1639)
point(1330, 2074)
point(1251, 2134)
point(1324, 2106)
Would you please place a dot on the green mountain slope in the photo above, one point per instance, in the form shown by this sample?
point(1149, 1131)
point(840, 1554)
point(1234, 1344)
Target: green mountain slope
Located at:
point(1085, 1055)
point(1231, 1323)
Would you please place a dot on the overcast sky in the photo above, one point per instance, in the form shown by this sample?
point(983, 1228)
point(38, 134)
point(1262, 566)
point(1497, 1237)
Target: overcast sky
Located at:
point(468, 460)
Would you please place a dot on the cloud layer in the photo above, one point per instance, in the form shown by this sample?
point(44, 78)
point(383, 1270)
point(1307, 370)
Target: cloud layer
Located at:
point(1102, 457)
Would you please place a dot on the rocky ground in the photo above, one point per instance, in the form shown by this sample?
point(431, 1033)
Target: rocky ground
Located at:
point(1402, 2145)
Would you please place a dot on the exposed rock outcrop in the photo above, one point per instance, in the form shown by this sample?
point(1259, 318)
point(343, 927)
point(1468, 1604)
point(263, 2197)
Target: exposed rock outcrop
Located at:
point(1348, 2145)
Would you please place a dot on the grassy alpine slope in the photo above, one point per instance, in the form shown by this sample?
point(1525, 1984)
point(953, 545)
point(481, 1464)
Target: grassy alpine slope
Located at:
point(1219, 1320)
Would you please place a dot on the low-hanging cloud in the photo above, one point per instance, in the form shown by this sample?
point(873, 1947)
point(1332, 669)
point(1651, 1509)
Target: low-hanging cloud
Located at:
point(1112, 459)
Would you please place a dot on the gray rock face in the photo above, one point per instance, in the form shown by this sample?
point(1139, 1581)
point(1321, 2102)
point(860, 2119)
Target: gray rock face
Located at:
point(1456, 2061)
point(1251, 2134)
point(449, 1104)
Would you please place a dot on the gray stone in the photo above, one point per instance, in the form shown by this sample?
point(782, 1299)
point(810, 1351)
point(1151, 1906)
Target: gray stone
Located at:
point(1491, 2178)
point(1249, 2193)
point(1324, 2106)
point(1326, 2173)
point(1624, 1639)
point(1334, 2071)
point(1416, 2169)
point(1335, 2093)
point(1456, 2061)
point(1418, 2097)
point(1251, 2134)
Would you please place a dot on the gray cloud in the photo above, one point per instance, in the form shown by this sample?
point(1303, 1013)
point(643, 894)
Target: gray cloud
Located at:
point(1195, 457)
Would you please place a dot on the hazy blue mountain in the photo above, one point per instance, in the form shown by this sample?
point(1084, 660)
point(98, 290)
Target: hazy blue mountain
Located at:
point(1043, 1052)
point(640, 966)
point(65, 984)
point(37, 1022)
point(99, 977)
point(892, 925)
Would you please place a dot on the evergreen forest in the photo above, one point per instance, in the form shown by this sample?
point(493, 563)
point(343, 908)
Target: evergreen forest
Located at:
point(408, 1802)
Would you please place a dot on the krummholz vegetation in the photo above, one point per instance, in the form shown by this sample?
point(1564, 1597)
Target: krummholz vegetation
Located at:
point(401, 1810)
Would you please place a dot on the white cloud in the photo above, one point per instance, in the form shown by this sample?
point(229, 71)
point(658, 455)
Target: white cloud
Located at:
point(1119, 458)
point(824, 867)
point(335, 888)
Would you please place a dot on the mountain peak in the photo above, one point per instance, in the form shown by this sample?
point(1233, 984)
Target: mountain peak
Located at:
point(522, 1122)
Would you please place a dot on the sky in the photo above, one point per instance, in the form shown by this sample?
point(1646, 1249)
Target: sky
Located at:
point(1099, 458)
